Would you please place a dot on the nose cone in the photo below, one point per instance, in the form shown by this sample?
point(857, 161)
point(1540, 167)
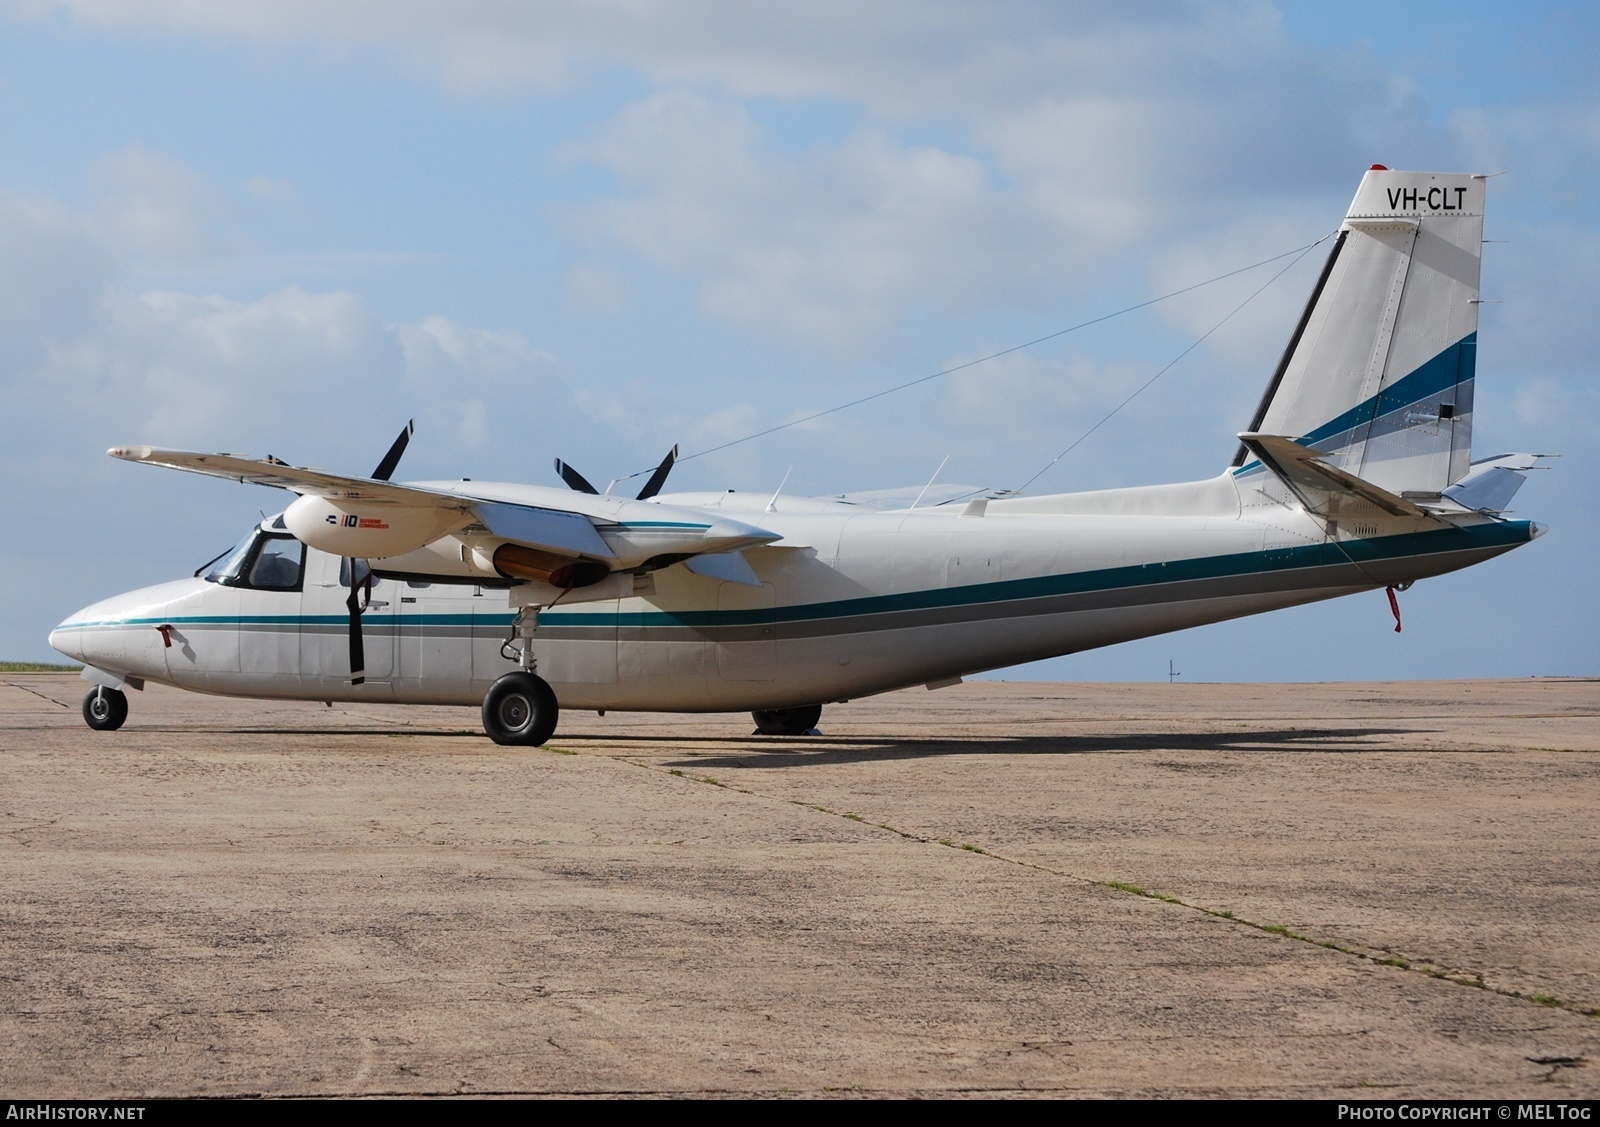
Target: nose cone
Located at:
point(118, 634)
point(65, 640)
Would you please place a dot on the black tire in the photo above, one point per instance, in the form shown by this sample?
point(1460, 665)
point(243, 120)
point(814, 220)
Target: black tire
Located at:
point(787, 721)
point(104, 710)
point(520, 710)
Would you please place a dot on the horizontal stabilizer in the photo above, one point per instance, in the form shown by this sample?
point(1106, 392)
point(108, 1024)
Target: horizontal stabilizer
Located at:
point(1319, 485)
point(1492, 482)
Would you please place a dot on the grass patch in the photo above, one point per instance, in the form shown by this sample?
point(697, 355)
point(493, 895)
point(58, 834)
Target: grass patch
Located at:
point(855, 817)
point(37, 667)
point(676, 772)
point(970, 848)
point(1544, 999)
point(560, 750)
point(1225, 914)
point(1393, 961)
point(1124, 886)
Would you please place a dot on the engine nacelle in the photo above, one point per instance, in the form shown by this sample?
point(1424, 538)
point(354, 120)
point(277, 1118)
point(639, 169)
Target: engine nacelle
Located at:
point(367, 530)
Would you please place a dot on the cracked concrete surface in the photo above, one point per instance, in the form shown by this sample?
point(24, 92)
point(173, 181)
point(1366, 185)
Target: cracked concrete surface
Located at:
point(1001, 888)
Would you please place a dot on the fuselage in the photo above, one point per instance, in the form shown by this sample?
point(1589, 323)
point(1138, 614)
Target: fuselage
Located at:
point(850, 601)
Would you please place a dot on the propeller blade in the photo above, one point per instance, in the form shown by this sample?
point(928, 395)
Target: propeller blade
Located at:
point(659, 478)
point(358, 653)
point(574, 479)
point(386, 467)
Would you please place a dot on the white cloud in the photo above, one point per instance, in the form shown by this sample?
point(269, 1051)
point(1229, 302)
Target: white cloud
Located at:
point(830, 247)
point(88, 357)
point(1065, 136)
point(151, 205)
point(53, 269)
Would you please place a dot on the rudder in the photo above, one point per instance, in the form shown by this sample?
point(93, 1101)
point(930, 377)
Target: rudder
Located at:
point(1378, 375)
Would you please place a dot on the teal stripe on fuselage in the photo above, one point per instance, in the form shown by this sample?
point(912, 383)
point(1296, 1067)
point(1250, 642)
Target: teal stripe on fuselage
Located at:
point(1500, 534)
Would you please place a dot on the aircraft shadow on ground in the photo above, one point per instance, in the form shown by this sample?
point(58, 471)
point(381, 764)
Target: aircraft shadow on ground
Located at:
point(831, 751)
point(824, 750)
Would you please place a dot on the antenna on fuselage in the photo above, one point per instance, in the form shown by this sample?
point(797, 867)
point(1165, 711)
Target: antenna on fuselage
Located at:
point(931, 480)
point(772, 505)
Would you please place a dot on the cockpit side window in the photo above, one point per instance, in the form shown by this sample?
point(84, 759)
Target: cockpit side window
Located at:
point(264, 562)
point(231, 564)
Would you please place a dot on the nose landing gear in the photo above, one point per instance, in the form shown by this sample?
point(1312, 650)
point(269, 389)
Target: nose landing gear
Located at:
point(105, 709)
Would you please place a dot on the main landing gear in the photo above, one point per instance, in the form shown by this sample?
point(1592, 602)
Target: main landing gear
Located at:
point(800, 721)
point(105, 709)
point(520, 708)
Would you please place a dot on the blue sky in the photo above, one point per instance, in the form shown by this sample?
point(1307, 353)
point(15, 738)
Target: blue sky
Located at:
point(593, 230)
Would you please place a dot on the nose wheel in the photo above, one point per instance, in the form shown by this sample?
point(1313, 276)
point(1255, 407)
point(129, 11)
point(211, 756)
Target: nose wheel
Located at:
point(104, 709)
point(520, 709)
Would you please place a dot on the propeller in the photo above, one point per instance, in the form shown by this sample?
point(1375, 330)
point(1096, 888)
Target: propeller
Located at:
point(360, 574)
point(574, 479)
point(577, 481)
point(386, 467)
point(355, 604)
point(659, 478)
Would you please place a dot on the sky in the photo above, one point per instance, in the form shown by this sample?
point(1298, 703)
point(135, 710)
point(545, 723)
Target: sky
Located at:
point(593, 230)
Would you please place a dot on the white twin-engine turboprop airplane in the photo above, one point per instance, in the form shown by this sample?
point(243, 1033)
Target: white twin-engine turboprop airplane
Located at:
point(1355, 474)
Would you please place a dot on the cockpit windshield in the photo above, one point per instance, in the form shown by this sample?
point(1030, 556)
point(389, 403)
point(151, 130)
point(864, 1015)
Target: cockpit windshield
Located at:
point(263, 561)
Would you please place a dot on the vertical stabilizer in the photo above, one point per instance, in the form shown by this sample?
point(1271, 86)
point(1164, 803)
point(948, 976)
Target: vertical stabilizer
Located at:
point(1378, 375)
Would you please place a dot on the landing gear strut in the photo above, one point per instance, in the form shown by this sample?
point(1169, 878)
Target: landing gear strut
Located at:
point(105, 709)
point(787, 721)
point(520, 708)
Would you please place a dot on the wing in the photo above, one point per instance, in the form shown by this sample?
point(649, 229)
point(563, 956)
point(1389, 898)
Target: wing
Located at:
point(272, 472)
point(370, 519)
point(366, 518)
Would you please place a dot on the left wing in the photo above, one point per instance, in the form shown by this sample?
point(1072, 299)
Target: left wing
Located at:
point(367, 518)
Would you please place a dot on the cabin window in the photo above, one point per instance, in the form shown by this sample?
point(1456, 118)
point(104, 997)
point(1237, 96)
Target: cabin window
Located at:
point(277, 564)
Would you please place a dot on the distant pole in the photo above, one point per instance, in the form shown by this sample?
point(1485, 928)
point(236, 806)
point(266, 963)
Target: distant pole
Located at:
point(1172, 672)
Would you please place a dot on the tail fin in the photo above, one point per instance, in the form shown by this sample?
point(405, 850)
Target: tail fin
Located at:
point(1378, 375)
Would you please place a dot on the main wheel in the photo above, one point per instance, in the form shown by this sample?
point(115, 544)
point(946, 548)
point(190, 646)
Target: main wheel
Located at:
point(520, 708)
point(787, 721)
point(104, 710)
